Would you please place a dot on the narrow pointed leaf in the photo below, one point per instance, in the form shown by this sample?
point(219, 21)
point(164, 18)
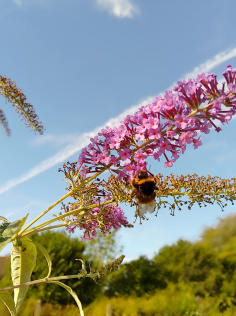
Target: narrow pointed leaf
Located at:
point(72, 293)
point(4, 219)
point(8, 230)
point(23, 260)
point(46, 255)
point(23, 219)
point(7, 299)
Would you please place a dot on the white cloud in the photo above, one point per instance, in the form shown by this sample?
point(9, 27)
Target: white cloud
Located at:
point(212, 63)
point(18, 2)
point(118, 8)
point(73, 148)
point(24, 3)
point(84, 139)
point(55, 140)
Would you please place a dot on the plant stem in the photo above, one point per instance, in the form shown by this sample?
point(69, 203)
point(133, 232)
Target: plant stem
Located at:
point(35, 231)
point(61, 199)
point(46, 211)
point(62, 277)
point(76, 211)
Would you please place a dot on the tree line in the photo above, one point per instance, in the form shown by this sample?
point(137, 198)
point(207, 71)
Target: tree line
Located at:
point(207, 268)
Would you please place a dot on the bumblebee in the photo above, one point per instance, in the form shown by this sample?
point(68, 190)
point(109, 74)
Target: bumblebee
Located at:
point(144, 187)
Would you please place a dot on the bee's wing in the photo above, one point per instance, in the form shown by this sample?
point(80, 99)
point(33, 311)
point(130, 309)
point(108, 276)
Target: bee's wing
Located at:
point(151, 206)
point(144, 208)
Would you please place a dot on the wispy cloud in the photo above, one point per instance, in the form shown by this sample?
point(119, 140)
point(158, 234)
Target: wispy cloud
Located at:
point(18, 2)
point(68, 151)
point(25, 208)
point(83, 140)
point(25, 3)
point(55, 140)
point(212, 63)
point(119, 8)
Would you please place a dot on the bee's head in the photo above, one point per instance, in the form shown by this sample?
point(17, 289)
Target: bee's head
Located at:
point(142, 174)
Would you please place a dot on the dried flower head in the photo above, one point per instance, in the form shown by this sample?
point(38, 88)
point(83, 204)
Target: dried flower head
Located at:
point(26, 110)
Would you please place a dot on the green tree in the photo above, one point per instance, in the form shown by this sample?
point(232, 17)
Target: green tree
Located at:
point(171, 260)
point(192, 263)
point(222, 238)
point(137, 277)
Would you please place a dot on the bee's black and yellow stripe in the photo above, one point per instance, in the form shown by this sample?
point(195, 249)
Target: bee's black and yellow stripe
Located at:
point(140, 182)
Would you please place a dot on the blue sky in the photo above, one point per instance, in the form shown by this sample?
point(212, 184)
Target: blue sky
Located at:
point(84, 64)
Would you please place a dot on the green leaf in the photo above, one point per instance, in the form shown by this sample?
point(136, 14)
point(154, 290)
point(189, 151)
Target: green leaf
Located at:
point(72, 293)
point(46, 255)
point(23, 260)
point(8, 230)
point(3, 219)
point(7, 299)
point(23, 219)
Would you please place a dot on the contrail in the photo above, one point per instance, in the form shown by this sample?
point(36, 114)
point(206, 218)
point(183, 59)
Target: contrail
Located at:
point(212, 63)
point(83, 140)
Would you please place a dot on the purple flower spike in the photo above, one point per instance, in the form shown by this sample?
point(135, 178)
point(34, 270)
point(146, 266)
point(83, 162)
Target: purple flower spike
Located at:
point(164, 127)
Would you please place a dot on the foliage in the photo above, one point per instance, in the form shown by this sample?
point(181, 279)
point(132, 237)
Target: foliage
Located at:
point(135, 278)
point(198, 277)
point(63, 251)
point(31, 305)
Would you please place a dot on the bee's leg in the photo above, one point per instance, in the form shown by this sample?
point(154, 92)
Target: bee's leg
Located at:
point(132, 193)
point(134, 180)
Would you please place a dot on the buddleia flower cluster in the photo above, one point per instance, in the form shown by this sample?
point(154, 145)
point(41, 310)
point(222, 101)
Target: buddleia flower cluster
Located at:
point(162, 128)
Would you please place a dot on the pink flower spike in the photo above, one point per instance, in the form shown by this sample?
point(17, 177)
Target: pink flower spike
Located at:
point(157, 106)
point(191, 121)
point(140, 156)
point(197, 142)
point(115, 143)
point(125, 154)
point(104, 157)
point(169, 163)
point(229, 74)
point(157, 155)
point(83, 172)
point(153, 122)
point(95, 211)
point(142, 128)
point(181, 121)
point(95, 160)
point(154, 134)
point(166, 145)
point(140, 136)
point(186, 138)
point(175, 154)
point(168, 123)
point(140, 166)
point(171, 134)
point(128, 168)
